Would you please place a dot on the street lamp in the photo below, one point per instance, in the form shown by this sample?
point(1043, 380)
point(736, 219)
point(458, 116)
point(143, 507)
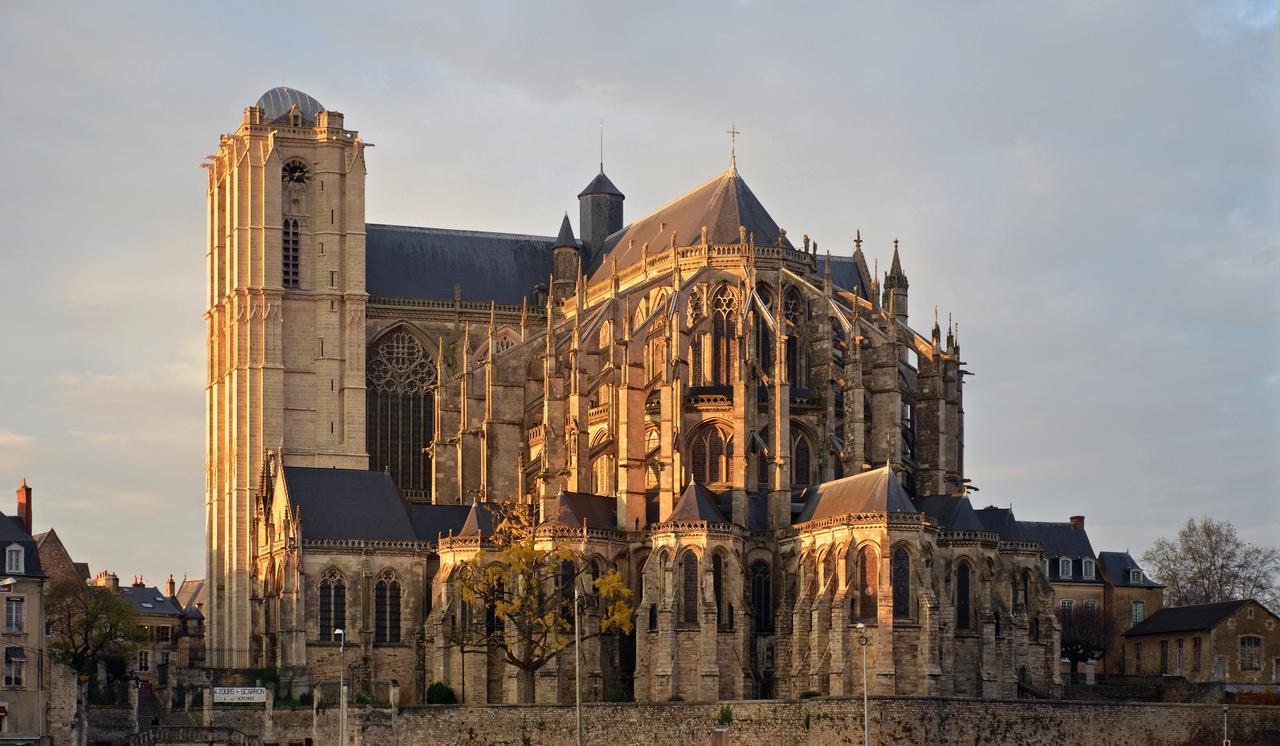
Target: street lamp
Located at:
point(863, 642)
point(342, 686)
point(577, 661)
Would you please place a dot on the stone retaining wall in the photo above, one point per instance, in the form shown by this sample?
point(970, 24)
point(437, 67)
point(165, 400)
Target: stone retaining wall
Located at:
point(894, 720)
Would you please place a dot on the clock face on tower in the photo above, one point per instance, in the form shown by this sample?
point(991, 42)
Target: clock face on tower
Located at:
point(294, 172)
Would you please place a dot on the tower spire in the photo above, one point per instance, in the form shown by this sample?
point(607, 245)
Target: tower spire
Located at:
point(602, 145)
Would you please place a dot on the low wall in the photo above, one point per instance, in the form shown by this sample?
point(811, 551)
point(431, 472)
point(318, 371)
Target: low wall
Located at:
point(894, 720)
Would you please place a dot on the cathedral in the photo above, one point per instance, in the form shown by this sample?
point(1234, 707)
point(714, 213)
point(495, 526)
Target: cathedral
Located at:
point(747, 429)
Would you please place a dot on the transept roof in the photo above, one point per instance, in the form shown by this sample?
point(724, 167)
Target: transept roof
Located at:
point(875, 491)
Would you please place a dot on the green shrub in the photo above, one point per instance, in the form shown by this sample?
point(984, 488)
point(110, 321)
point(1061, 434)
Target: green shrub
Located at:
point(618, 695)
point(440, 693)
point(726, 715)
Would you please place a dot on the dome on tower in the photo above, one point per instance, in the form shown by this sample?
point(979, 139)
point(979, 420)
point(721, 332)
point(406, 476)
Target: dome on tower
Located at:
point(277, 102)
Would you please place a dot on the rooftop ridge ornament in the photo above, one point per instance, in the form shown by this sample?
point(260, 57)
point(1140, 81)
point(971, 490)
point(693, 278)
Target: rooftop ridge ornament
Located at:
point(733, 133)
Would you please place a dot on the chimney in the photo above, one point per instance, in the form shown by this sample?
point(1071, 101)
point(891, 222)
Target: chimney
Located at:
point(138, 582)
point(1078, 522)
point(24, 504)
point(168, 587)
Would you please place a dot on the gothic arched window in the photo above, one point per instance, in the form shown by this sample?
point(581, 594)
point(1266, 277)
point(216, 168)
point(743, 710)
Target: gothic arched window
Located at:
point(762, 597)
point(290, 254)
point(964, 584)
point(723, 335)
point(401, 412)
point(601, 473)
point(801, 460)
point(717, 588)
point(764, 336)
point(711, 451)
point(868, 582)
point(386, 608)
point(900, 576)
point(333, 604)
point(689, 588)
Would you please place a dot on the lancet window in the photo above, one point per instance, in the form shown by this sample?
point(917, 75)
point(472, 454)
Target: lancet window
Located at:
point(689, 588)
point(964, 597)
point(401, 412)
point(762, 597)
point(900, 576)
point(712, 452)
point(386, 608)
point(801, 460)
point(866, 586)
point(723, 335)
point(333, 604)
point(290, 253)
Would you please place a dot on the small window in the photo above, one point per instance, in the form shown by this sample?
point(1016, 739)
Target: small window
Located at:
point(13, 614)
point(1067, 605)
point(15, 559)
point(333, 279)
point(1064, 568)
point(1164, 656)
point(144, 660)
point(1195, 654)
point(1137, 657)
point(1135, 576)
point(1139, 609)
point(1250, 653)
point(1091, 605)
point(15, 667)
point(1086, 569)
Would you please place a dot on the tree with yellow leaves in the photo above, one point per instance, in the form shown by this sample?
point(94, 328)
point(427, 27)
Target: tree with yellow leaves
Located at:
point(524, 584)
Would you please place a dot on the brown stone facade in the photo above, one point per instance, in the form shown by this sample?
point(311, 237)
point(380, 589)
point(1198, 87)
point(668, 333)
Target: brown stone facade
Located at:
point(1242, 648)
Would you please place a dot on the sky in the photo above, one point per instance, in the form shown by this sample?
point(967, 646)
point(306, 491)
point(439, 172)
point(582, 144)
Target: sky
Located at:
point(1089, 189)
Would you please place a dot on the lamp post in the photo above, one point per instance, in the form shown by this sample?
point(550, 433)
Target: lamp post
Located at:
point(863, 642)
point(342, 686)
point(577, 661)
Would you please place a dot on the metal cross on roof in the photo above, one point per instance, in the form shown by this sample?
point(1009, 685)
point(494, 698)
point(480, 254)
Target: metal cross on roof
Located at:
point(733, 133)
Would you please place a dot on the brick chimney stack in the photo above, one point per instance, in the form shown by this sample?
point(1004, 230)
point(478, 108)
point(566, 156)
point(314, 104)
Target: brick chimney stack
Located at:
point(24, 504)
point(169, 587)
point(1078, 522)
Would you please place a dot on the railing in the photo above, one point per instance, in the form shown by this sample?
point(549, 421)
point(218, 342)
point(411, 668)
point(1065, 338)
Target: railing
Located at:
point(598, 414)
point(193, 734)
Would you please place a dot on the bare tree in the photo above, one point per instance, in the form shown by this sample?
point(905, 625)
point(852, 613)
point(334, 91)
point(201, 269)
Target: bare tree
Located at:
point(1087, 633)
point(1208, 562)
point(523, 594)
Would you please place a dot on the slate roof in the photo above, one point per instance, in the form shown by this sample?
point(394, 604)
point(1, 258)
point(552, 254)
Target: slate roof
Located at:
point(347, 504)
point(565, 236)
point(721, 204)
point(408, 262)
point(697, 504)
point(433, 521)
point(1059, 538)
point(1117, 566)
point(14, 531)
point(277, 102)
point(190, 596)
point(875, 491)
point(1186, 618)
point(570, 508)
point(1001, 521)
point(479, 521)
point(149, 600)
point(601, 185)
point(951, 512)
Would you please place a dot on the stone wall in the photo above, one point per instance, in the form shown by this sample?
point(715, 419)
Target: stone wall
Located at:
point(894, 720)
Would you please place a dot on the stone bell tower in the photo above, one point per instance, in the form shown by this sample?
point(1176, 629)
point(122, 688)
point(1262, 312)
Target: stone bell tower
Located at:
point(285, 328)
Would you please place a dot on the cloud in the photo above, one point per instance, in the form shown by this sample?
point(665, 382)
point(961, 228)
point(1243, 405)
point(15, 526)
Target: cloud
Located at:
point(16, 450)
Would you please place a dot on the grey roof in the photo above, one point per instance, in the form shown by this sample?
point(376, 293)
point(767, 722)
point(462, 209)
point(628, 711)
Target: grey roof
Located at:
point(1059, 539)
point(277, 102)
point(14, 531)
point(479, 521)
point(1186, 618)
point(347, 504)
point(1117, 566)
point(149, 600)
point(571, 508)
point(1001, 521)
point(601, 185)
point(433, 521)
point(565, 236)
point(408, 262)
point(950, 511)
point(190, 592)
point(845, 274)
point(697, 504)
point(721, 204)
point(875, 491)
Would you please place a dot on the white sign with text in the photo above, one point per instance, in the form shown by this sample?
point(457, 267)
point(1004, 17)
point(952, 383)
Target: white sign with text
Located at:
point(233, 694)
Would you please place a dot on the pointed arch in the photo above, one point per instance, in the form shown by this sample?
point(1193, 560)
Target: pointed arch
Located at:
point(900, 578)
point(710, 450)
point(386, 608)
point(689, 587)
point(400, 380)
point(333, 603)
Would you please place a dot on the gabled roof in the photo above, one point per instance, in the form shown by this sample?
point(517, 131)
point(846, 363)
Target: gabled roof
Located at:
point(1188, 618)
point(601, 185)
point(952, 512)
point(190, 594)
point(14, 531)
point(347, 504)
point(875, 491)
point(697, 504)
point(408, 262)
point(149, 600)
point(479, 521)
point(721, 204)
point(571, 508)
point(1117, 566)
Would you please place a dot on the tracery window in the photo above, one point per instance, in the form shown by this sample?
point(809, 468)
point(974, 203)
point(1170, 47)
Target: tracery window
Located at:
point(401, 412)
point(601, 473)
point(712, 452)
point(724, 306)
point(333, 604)
point(689, 588)
point(801, 460)
point(867, 581)
point(290, 253)
point(963, 587)
point(386, 608)
point(900, 576)
point(762, 597)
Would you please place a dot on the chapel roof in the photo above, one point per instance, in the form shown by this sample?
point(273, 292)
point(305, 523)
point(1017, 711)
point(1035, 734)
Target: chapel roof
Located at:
point(697, 504)
point(347, 504)
point(278, 101)
point(875, 491)
point(572, 508)
point(721, 204)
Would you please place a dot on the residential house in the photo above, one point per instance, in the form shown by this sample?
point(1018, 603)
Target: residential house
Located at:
point(25, 689)
point(1129, 597)
point(1229, 642)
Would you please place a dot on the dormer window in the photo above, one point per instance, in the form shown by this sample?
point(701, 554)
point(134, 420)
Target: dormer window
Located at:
point(1086, 569)
point(1064, 568)
point(15, 560)
point(1135, 576)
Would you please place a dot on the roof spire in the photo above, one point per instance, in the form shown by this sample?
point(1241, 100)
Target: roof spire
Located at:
point(602, 145)
point(733, 133)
